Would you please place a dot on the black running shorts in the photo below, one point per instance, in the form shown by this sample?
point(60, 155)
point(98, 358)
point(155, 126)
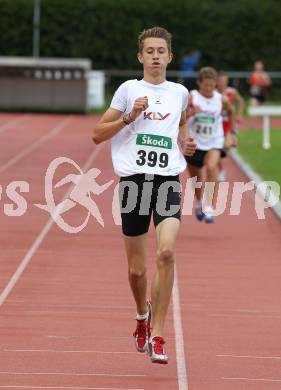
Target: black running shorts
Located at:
point(143, 195)
point(198, 158)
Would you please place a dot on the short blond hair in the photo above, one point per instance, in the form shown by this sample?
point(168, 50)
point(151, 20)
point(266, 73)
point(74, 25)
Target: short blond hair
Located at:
point(207, 73)
point(155, 32)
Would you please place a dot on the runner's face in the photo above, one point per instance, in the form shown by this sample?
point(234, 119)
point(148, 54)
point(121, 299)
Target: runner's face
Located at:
point(222, 83)
point(259, 66)
point(155, 56)
point(207, 87)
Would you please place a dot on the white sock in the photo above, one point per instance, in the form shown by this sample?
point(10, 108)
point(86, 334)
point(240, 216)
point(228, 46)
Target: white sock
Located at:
point(142, 316)
point(208, 209)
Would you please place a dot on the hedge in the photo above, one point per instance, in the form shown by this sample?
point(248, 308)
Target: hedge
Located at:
point(230, 34)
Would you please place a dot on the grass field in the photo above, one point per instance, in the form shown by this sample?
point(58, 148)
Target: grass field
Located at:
point(266, 163)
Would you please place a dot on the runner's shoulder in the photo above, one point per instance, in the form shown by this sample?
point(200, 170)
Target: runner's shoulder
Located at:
point(194, 92)
point(230, 90)
point(178, 87)
point(128, 83)
point(217, 94)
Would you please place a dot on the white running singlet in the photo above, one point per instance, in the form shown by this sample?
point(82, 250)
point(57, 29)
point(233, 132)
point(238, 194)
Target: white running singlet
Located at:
point(149, 144)
point(206, 126)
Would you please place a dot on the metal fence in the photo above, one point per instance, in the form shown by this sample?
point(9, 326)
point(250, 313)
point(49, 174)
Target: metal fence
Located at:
point(237, 79)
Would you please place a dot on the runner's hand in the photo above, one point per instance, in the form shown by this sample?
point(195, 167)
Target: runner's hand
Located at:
point(196, 109)
point(238, 119)
point(188, 147)
point(193, 110)
point(228, 141)
point(234, 140)
point(140, 105)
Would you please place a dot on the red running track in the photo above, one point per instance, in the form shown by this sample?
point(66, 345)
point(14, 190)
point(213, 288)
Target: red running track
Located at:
point(67, 315)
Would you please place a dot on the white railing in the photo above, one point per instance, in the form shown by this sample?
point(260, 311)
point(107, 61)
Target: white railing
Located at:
point(266, 112)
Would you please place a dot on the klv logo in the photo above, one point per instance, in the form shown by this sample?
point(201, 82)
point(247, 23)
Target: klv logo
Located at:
point(155, 116)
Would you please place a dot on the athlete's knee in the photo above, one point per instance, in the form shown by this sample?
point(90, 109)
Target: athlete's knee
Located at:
point(137, 272)
point(211, 166)
point(166, 255)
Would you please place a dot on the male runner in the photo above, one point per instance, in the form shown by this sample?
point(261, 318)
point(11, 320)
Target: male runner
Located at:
point(146, 123)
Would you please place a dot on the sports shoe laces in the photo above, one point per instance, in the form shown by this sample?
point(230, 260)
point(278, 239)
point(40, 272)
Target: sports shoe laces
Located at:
point(142, 327)
point(158, 343)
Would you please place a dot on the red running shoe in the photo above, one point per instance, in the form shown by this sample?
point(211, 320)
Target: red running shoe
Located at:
point(142, 332)
point(156, 350)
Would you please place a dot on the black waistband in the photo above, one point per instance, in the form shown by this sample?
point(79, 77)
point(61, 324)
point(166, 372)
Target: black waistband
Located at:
point(142, 177)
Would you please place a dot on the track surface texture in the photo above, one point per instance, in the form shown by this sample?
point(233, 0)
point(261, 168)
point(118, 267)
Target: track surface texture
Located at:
point(66, 311)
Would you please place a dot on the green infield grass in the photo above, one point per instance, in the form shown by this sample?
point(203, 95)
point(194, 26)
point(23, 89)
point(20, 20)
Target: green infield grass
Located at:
point(266, 163)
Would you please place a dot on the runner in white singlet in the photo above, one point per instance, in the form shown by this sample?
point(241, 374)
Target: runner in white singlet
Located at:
point(146, 123)
point(150, 142)
point(205, 126)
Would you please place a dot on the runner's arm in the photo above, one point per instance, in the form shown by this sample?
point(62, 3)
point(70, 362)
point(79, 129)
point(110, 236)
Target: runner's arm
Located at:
point(114, 120)
point(109, 125)
point(240, 105)
point(266, 80)
point(227, 106)
point(188, 146)
point(229, 139)
point(191, 109)
point(183, 130)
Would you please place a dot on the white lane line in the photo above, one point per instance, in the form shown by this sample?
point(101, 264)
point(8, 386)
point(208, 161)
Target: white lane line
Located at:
point(36, 144)
point(13, 122)
point(181, 365)
point(252, 379)
point(74, 374)
point(61, 337)
point(63, 387)
point(251, 357)
point(72, 351)
point(60, 312)
point(62, 306)
point(246, 315)
point(260, 311)
point(23, 264)
point(43, 307)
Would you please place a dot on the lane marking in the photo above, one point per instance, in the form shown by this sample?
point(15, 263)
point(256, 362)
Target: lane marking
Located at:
point(246, 315)
point(12, 123)
point(259, 311)
point(252, 379)
point(71, 351)
point(64, 387)
point(25, 261)
point(58, 312)
point(66, 306)
point(179, 340)
point(64, 337)
point(72, 374)
point(251, 357)
point(36, 144)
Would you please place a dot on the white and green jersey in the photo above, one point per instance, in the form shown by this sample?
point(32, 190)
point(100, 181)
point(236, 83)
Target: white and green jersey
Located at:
point(206, 126)
point(149, 144)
